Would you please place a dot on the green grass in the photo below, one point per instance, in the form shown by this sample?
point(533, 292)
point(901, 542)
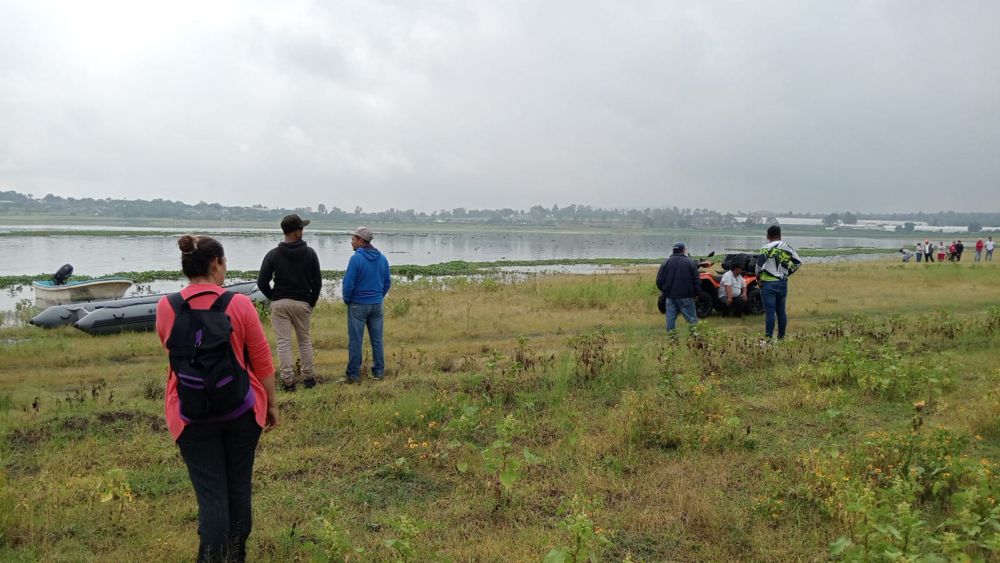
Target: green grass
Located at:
point(709, 449)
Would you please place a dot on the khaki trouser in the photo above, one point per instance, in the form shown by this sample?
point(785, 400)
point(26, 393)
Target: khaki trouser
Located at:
point(288, 314)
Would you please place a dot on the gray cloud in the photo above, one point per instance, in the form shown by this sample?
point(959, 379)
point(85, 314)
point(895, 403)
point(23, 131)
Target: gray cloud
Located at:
point(781, 104)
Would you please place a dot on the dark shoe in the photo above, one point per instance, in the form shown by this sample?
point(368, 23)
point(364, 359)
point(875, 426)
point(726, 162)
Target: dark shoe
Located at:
point(290, 387)
point(350, 381)
point(309, 382)
point(378, 376)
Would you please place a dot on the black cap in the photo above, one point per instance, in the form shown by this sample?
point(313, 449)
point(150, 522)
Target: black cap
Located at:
point(292, 223)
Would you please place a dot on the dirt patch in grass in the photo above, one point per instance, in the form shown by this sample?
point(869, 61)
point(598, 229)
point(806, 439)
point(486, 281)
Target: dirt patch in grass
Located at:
point(76, 423)
point(19, 467)
point(23, 439)
point(154, 423)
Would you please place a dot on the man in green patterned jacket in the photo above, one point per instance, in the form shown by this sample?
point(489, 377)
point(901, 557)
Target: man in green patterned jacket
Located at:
point(775, 263)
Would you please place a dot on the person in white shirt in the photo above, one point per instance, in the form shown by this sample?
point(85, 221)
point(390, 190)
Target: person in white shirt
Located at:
point(989, 250)
point(733, 292)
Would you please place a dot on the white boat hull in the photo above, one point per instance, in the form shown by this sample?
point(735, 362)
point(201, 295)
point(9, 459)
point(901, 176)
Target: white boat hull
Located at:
point(47, 295)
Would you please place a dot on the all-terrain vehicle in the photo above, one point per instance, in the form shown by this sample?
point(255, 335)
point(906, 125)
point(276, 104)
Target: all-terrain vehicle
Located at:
point(709, 300)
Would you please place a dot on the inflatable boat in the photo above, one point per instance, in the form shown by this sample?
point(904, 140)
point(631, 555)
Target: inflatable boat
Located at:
point(119, 315)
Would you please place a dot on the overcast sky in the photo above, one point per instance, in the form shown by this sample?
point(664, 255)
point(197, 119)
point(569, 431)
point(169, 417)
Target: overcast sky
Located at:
point(785, 104)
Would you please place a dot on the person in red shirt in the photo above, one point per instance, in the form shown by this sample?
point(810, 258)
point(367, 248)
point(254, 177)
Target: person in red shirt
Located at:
point(220, 454)
point(979, 249)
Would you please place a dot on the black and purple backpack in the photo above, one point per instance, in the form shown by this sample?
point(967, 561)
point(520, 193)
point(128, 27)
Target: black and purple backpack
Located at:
point(211, 384)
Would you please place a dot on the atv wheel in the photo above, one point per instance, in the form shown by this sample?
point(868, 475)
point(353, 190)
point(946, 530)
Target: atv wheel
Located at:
point(703, 304)
point(755, 302)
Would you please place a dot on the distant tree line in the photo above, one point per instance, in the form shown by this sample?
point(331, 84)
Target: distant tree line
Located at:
point(12, 202)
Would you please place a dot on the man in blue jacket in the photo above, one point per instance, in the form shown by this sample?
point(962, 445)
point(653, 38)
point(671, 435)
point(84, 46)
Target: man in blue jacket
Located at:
point(678, 280)
point(365, 284)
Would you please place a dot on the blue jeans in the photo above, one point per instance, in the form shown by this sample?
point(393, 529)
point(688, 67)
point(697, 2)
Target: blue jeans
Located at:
point(774, 293)
point(219, 457)
point(358, 317)
point(686, 308)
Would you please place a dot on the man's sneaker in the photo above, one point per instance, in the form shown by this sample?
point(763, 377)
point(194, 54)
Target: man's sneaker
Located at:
point(309, 382)
point(350, 381)
point(290, 387)
point(378, 376)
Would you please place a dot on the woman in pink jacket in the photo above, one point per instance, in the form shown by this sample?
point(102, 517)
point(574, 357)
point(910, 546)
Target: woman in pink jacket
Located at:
point(218, 447)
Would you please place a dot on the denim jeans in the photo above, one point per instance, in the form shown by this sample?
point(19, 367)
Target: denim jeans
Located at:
point(219, 457)
point(774, 293)
point(358, 317)
point(686, 307)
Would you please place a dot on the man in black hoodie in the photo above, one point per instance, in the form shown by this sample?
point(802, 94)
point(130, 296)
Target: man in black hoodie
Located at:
point(294, 267)
point(678, 280)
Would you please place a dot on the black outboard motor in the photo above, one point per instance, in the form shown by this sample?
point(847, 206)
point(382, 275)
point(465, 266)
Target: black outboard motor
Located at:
point(59, 278)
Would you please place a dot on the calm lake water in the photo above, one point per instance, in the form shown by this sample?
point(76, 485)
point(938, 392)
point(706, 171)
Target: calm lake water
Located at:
point(100, 255)
point(245, 248)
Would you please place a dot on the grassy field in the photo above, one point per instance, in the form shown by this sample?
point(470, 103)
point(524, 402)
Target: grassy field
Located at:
point(552, 417)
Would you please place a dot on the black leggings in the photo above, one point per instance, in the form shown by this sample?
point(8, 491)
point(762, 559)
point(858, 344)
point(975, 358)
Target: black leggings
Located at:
point(219, 458)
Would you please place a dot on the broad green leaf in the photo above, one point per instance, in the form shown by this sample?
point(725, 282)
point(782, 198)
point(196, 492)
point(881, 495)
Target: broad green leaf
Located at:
point(838, 547)
point(556, 555)
point(530, 457)
point(508, 477)
point(462, 466)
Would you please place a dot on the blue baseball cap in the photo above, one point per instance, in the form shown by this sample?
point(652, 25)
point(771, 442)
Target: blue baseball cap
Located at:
point(679, 247)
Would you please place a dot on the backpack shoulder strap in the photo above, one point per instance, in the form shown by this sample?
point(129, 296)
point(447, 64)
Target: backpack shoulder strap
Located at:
point(222, 302)
point(176, 301)
point(180, 303)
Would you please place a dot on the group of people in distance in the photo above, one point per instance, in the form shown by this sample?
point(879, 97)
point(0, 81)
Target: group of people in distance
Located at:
point(678, 282)
point(218, 403)
point(925, 251)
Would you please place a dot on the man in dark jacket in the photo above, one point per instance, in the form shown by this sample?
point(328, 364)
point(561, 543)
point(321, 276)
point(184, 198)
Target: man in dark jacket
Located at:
point(294, 267)
point(366, 282)
point(678, 280)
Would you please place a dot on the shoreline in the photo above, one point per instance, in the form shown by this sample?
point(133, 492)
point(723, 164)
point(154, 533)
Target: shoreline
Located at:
point(452, 268)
